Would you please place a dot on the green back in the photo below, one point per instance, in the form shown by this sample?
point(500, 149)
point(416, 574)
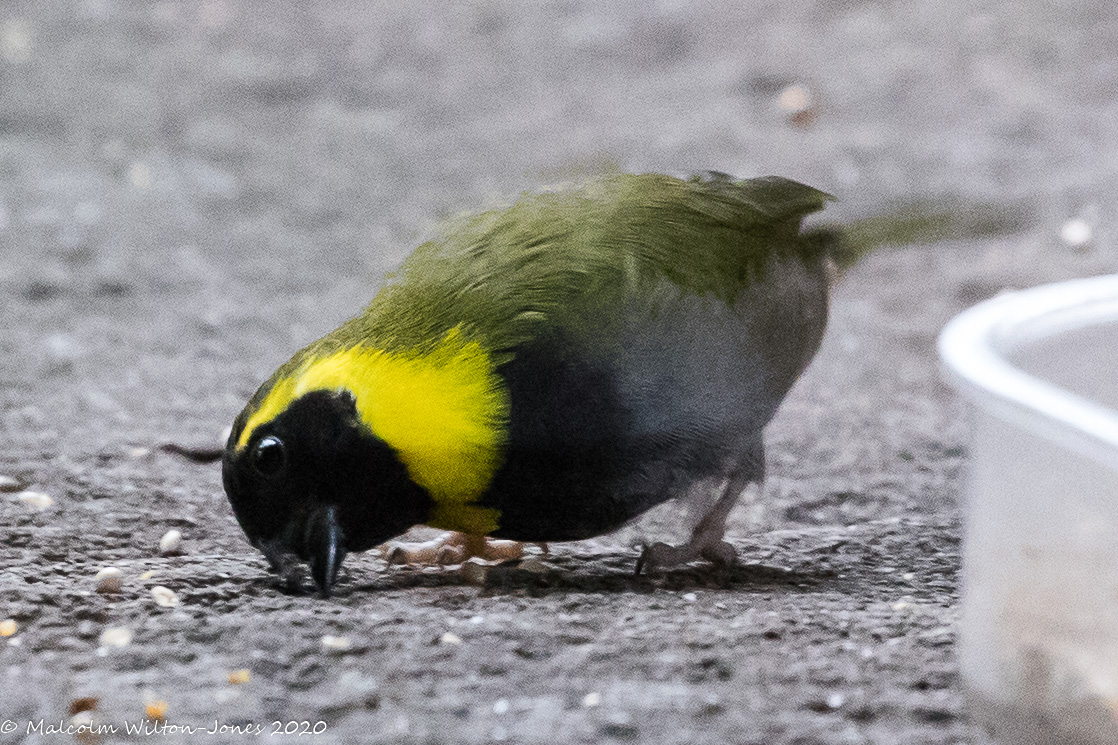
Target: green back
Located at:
point(576, 253)
point(571, 252)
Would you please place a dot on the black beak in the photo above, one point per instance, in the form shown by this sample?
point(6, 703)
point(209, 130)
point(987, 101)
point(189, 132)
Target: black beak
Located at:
point(324, 547)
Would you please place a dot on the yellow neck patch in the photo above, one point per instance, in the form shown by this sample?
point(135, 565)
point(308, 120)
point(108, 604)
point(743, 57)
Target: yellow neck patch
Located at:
point(444, 411)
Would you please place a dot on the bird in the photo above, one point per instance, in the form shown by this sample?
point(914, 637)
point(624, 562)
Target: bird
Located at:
point(547, 370)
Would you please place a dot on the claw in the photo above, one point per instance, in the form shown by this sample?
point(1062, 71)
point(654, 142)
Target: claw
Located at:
point(662, 556)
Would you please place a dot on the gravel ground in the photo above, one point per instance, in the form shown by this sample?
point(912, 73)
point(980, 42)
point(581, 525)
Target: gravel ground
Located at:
point(191, 191)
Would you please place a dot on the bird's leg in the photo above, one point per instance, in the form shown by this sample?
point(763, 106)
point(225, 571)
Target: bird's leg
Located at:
point(706, 537)
point(452, 548)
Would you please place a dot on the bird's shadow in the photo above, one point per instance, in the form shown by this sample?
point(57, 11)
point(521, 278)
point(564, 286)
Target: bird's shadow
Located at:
point(570, 575)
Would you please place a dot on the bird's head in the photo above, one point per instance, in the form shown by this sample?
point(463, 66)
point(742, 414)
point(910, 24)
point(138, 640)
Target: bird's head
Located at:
point(311, 481)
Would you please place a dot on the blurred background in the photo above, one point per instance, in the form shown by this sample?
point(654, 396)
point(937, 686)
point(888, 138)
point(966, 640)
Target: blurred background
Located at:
point(192, 190)
point(223, 164)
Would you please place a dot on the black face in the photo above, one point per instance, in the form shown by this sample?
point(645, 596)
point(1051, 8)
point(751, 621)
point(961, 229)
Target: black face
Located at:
point(316, 484)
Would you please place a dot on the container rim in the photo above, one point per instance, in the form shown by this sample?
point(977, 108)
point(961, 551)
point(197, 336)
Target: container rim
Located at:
point(972, 347)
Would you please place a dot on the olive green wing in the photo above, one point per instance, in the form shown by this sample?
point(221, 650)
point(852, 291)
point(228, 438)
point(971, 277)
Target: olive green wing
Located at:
point(579, 251)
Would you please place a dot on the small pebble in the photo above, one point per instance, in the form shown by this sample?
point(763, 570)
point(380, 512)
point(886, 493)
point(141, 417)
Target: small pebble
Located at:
point(139, 174)
point(835, 700)
point(1076, 233)
point(449, 638)
point(534, 565)
point(139, 452)
point(148, 574)
point(35, 499)
point(116, 636)
point(8, 627)
point(795, 98)
point(798, 103)
point(333, 643)
point(82, 721)
point(109, 580)
point(474, 573)
point(164, 596)
point(9, 483)
point(237, 677)
point(156, 710)
point(171, 543)
point(690, 597)
point(501, 706)
point(592, 699)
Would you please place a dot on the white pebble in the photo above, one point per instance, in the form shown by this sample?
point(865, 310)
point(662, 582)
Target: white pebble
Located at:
point(449, 638)
point(795, 98)
point(83, 720)
point(116, 636)
point(333, 643)
point(139, 174)
point(164, 596)
point(109, 579)
point(171, 542)
point(1076, 233)
point(836, 700)
point(690, 597)
point(35, 500)
point(592, 699)
point(9, 483)
point(501, 706)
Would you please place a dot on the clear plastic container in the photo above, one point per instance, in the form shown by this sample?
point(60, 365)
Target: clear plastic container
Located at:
point(1038, 644)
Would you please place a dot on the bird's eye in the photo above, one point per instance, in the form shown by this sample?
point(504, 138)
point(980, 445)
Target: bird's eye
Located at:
point(268, 457)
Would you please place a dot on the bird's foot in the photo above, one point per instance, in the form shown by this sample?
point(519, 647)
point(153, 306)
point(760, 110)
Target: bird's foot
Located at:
point(452, 548)
point(660, 556)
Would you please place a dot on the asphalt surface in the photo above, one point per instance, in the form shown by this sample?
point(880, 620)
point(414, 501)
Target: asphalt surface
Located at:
point(190, 191)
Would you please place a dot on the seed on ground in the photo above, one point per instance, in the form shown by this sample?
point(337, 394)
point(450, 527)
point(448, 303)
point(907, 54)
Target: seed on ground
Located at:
point(164, 596)
point(333, 643)
point(109, 580)
point(36, 500)
point(156, 710)
point(116, 636)
point(237, 677)
point(171, 542)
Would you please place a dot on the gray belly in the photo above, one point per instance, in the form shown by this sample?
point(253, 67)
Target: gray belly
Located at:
point(675, 390)
point(689, 365)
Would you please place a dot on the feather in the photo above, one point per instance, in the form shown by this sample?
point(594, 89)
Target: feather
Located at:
point(578, 252)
